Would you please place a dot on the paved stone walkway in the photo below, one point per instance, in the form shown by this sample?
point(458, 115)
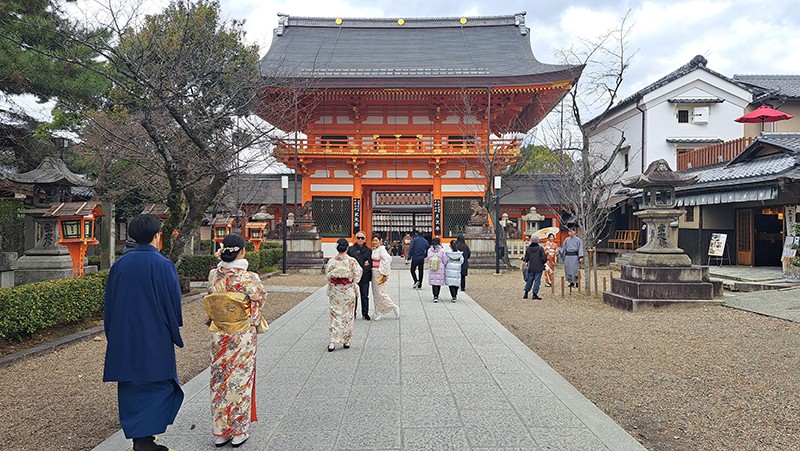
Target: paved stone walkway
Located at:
point(784, 304)
point(445, 376)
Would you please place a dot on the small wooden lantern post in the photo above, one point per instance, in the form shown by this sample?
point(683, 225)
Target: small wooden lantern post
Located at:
point(76, 226)
point(221, 228)
point(256, 227)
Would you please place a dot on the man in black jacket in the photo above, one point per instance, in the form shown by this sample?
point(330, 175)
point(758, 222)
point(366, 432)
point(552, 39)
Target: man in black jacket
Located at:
point(363, 255)
point(535, 257)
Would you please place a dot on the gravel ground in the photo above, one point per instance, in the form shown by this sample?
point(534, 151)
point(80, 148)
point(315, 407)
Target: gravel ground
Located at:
point(56, 401)
point(698, 378)
point(676, 379)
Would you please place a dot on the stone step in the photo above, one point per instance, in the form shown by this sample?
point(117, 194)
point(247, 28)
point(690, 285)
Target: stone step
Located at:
point(630, 304)
point(663, 290)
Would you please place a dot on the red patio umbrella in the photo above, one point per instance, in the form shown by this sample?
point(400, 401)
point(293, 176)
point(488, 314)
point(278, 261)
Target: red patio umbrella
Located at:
point(763, 114)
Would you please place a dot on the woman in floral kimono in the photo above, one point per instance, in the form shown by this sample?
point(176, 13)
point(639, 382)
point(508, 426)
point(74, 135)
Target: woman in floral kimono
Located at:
point(343, 273)
point(551, 250)
point(381, 268)
point(236, 297)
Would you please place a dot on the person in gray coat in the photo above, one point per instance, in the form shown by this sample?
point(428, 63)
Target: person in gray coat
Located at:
point(452, 270)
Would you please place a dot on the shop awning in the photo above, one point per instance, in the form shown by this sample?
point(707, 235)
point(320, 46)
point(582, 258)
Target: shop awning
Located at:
point(726, 197)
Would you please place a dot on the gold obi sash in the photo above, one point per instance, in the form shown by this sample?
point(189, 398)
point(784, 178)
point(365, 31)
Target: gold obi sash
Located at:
point(229, 311)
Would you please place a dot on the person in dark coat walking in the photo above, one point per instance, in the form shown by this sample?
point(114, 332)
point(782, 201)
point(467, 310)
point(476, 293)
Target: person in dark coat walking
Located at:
point(142, 317)
point(363, 255)
point(417, 253)
point(462, 246)
point(535, 257)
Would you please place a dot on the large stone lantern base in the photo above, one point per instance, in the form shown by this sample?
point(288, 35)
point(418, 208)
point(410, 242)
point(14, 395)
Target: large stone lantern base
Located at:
point(480, 240)
point(47, 260)
point(304, 249)
point(660, 274)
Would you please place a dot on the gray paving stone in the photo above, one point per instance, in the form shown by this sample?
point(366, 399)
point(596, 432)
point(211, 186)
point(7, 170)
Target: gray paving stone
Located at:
point(425, 384)
point(495, 428)
point(544, 411)
point(305, 440)
point(479, 397)
point(325, 387)
point(430, 411)
point(313, 415)
point(524, 385)
point(367, 429)
point(468, 375)
point(438, 439)
point(375, 397)
point(416, 348)
point(505, 364)
point(567, 439)
point(378, 374)
point(421, 363)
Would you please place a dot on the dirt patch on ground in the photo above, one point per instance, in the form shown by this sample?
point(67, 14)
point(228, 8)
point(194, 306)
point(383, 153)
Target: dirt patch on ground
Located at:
point(55, 401)
point(675, 379)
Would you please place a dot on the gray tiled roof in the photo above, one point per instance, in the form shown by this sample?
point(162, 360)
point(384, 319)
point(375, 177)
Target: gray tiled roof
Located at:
point(261, 189)
point(698, 62)
point(370, 52)
point(788, 85)
point(532, 189)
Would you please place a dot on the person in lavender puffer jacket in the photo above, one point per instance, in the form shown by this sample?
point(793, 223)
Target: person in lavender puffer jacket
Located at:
point(436, 276)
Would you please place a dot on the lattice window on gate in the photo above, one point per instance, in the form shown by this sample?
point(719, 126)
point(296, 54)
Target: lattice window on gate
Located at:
point(455, 214)
point(333, 216)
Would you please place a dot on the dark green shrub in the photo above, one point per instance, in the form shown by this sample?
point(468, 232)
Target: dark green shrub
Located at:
point(196, 267)
point(270, 257)
point(254, 260)
point(204, 246)
point(12, 226)
point(29, 308)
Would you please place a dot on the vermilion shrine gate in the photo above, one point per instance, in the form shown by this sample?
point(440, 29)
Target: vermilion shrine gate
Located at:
point(400, 123)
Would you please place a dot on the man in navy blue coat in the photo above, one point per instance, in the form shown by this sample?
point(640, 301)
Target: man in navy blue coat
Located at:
point(417, 254)
point(142, 318)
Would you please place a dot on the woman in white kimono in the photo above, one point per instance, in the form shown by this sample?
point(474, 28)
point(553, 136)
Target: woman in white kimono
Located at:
point(381, 268)
point(343, 273)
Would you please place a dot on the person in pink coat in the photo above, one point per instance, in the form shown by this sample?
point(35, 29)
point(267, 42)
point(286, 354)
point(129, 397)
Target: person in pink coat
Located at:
point(436, 276)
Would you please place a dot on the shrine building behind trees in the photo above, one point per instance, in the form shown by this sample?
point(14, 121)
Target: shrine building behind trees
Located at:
point(398, 124)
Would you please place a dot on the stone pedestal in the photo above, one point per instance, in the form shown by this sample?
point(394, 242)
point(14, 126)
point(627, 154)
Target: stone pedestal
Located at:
point(653, 287)
point(47, 260)
point(8, 263)
point(304, 249)
point(480, 240)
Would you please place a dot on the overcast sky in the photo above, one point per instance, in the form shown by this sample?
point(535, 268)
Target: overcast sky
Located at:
point(736, 36)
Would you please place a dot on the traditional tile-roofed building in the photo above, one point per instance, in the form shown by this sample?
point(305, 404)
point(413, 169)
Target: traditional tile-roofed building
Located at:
point(752, 199)
point(689, 108)
point(403, 121)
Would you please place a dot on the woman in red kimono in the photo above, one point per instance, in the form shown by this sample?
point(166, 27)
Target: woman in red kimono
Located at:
point(551, 250)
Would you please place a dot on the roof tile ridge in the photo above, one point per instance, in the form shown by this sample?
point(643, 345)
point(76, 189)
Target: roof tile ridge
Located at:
point(409, 22)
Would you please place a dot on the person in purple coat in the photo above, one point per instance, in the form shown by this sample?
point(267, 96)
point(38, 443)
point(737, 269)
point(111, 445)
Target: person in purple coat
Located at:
point(142, 317)
point(437, 257)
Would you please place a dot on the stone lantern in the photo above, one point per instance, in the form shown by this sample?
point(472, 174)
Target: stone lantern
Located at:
point(660, 274)
point(658, 185)
point(76, 222)
point(532, 220)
